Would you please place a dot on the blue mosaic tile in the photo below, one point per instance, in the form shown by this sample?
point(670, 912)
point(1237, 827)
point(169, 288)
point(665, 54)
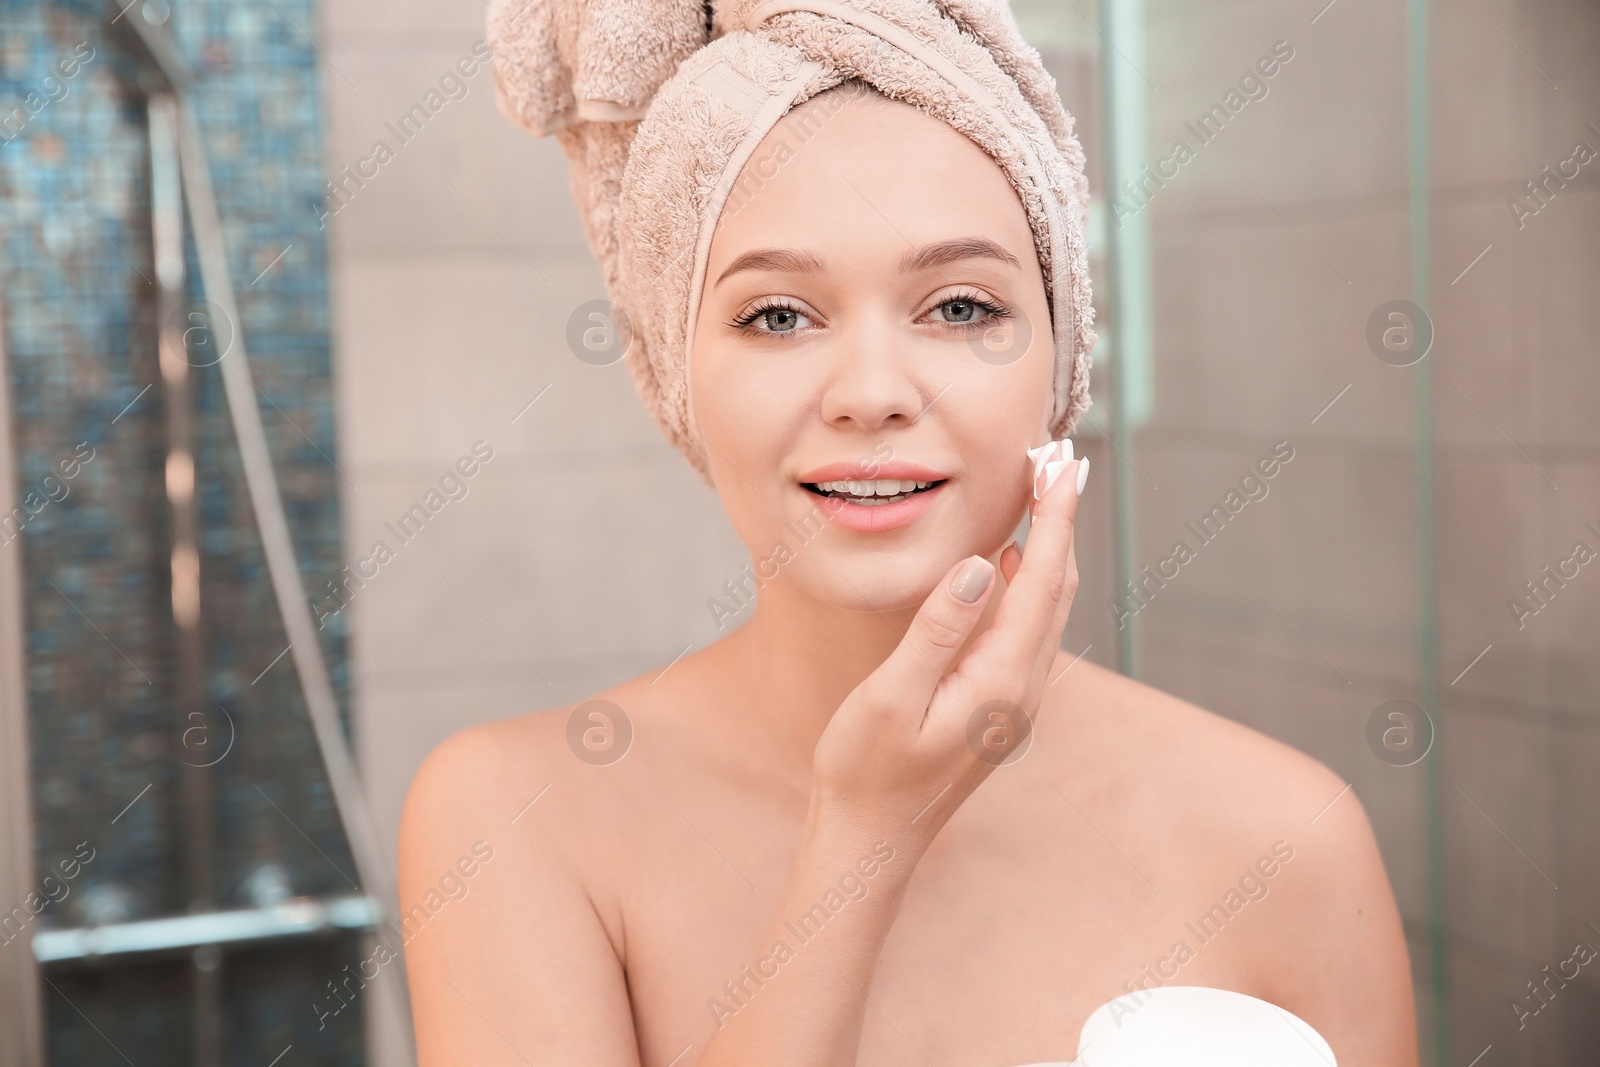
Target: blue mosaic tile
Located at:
point(80, 324)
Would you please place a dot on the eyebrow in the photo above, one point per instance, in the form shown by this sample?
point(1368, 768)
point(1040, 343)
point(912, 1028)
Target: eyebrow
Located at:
point(926, 258)
point(937, 255)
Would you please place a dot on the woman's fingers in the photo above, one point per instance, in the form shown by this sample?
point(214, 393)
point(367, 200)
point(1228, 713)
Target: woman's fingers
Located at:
point(1058, 620)
point(941, 626)
point(1078, 471)
point(1033, 612)
point(1041, 582)
point(1058, 623)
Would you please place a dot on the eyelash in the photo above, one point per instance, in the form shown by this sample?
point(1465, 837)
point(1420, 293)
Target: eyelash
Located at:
point(994, 309)
point(774, 304)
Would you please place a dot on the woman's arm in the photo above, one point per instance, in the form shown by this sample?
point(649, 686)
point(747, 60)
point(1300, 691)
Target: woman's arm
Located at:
point(510, 965)
point(1339, 952)
point(815, 964)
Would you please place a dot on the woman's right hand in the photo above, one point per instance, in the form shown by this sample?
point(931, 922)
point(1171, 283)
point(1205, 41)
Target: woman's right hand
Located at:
point(916, 737)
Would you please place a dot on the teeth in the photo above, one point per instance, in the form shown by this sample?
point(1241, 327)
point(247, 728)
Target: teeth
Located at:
point(877, 488)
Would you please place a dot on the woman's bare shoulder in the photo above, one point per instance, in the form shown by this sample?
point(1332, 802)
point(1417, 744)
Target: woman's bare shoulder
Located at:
point(1212, 793)
point(1224, 770)
point(491, 761)
point(500, 770)
point(1241, 811)
point(537, 942)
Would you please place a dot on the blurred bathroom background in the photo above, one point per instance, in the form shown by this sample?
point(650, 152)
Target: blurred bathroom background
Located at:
point(1356, 236)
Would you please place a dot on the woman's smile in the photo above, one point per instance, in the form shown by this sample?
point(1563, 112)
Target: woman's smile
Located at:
point(894, 497)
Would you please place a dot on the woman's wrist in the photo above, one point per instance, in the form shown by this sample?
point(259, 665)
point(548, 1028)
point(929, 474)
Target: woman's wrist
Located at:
point(839, 831)
point(829, 925)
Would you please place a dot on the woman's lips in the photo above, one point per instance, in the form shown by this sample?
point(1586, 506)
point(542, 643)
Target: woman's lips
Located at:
point(879, 518)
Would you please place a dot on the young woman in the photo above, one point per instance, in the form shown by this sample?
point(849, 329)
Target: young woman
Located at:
point(834, 837)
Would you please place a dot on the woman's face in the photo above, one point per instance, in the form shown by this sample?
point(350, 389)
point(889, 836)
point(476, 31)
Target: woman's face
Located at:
point(873, 310)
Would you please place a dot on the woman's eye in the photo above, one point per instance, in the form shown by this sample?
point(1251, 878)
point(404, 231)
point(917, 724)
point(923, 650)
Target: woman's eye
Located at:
point(967, 311)
point(780, 320)
point(959, 310)
point(774, 319)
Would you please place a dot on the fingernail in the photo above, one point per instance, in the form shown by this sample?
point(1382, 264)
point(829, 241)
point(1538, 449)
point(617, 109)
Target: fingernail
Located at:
point(1050, 460)
point(1052, 471)
point(971, 580)
point(1083, 474)
point(1037, 457)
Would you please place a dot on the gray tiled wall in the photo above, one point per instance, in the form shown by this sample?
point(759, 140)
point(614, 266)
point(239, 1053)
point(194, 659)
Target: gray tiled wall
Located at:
point(1272, 249)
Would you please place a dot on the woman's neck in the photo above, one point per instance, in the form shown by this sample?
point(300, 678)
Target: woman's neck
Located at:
point(796, 660)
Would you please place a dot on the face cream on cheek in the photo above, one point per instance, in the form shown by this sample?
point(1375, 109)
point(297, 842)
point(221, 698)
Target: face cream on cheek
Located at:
point(1052, 458)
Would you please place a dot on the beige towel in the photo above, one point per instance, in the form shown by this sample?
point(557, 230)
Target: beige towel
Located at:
point(658, 104)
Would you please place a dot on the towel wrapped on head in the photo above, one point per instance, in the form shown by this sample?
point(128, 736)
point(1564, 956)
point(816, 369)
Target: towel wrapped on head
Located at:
point(658, 104)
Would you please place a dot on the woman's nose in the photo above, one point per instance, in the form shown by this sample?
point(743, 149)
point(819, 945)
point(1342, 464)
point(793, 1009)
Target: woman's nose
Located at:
point(870, 380)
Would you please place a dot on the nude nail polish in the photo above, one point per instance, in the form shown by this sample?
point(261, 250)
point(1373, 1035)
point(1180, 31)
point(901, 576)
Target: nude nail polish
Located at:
point(971, 580)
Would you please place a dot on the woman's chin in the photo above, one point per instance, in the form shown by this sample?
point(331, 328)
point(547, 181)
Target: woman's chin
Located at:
point(882, 585)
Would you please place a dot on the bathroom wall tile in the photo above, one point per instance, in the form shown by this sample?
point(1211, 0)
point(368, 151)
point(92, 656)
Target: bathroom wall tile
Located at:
point(628, 559)
point(1575, 759)
point(1557, 315)
point(1513, 524)
point(1340, 102)
point(1331, 547)
point(1507, 325)
point(1418, 947)
point(1504, 61)
point(1483, 563)
point(1499, 843)
point(1579, 1018)
point(1576, 799)
point(365, 22)
point(490, 340)
point(1482, 1020)
point(1476, 136)
point(1485, 372)
point(469, 178)
point(1257, 330)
